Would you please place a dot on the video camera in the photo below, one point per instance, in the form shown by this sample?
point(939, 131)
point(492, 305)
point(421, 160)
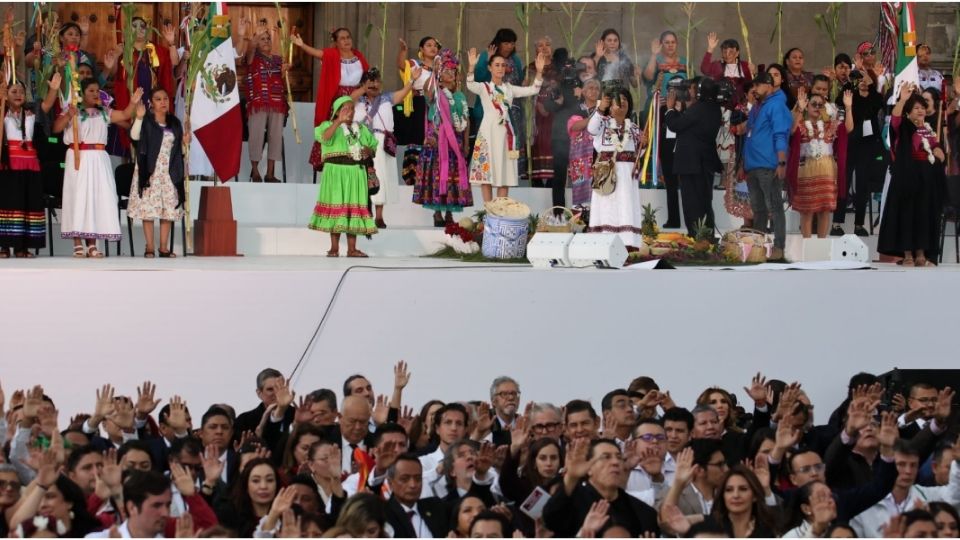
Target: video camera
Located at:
point(613, 88)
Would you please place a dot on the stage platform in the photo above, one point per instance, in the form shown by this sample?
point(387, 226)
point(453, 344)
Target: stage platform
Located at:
point(203, 327)
point(272, 221)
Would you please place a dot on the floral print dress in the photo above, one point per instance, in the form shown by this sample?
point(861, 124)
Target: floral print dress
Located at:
point(160, 199)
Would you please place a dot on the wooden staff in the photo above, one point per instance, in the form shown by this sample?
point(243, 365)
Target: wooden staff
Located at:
point(292, 112)
point(746, 35)
point(73, 101)
point(186, 183)
point(286, 50)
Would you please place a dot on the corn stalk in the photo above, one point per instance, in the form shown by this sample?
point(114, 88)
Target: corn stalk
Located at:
point(777, 29)
point(687, 8)
point(956, 50)
point(829, 23)
point(746, 34)
point(50, 25)
point(569, 28)
point(523, 18)
point(128, 11)
point(636, 92)
point(286, 53)
point(460, 9)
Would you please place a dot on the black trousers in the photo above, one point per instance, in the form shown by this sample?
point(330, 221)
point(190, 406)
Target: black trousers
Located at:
point(865, 174)
point(671, 182)
point(558, 184)
point(697, 192)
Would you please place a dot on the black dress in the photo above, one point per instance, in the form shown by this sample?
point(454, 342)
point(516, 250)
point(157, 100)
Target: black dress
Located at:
point(22, 218)
point(911, 211)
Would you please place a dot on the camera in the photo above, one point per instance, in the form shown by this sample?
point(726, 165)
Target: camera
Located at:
point(726, 92)
point(678, 85)
point(737, 117)
point(612, 88)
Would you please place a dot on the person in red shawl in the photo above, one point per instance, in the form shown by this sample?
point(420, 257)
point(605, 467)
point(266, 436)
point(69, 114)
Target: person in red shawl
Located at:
point(153, 65)
point(333, 82)
point(812, 167)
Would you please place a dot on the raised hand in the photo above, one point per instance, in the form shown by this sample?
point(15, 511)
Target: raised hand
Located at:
point(212, 466)
point(823, 510)
point(788, 399)
point(284, 394)
point(575, 464)
point(185, 526)
point(387, 456)
point(123, 414)
point(859, 414)
point(758, 385)
point(112, 473)
point(403, 47)
point(944, 402)
point(540, 63)
point(595, 520)
point(491, 50)
point(600, 48)
point(672, 516)
point(406, 418)
point(54, 84)
point(303, 414)
point(895, 528)
point(485, 458)
point(519, 434)
point(32, 403)
point(290, 525)
point(84, 24)
point(401, 377)
point(473, 57)
point(381, 410)
point(297, 40)
point(761, 468)
point(141, 112)
point(283, 501)
point(170, 34)
point(105, 402)
point(177, 417)
point(182, 479)
point(484, 419)
point(110, 59)
point(889, 433)
point(137, 95)
point(47, 468)
point(685, 467)
point(712, 41)
point(848, 105)
point(802, 98)
point(145, 394)
point(655, 46)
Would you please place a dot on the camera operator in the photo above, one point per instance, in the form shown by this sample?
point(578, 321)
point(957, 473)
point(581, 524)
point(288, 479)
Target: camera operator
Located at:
point(695, 157)
point(563, 104)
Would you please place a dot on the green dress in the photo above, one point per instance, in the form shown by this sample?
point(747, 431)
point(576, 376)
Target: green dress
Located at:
point(342, 203)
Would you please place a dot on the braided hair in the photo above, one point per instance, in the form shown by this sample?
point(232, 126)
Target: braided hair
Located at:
point(4, 152)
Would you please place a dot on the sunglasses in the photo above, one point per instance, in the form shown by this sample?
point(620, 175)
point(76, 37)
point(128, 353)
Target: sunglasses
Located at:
point(816, 104)
point(869, 52)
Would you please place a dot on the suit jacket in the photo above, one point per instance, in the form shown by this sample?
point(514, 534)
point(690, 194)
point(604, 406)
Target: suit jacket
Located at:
point(846, 469)
point(688, 503)
point(501, 436)
point(434, 513)
point(696, 129)
point(249, 420)
point(564, 514)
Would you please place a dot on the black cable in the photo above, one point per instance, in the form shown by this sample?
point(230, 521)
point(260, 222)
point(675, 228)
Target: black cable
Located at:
point(343, 277)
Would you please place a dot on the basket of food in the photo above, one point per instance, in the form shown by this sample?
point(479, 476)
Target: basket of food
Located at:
point(745, 245)
point(555, 220)
point(506, 226)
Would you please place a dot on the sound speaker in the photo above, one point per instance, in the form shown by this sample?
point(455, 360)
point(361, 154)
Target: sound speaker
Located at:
point(602, 250)
point(848, 247)
point(549, 250)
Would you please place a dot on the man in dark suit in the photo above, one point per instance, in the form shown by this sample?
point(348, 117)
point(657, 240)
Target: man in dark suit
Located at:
point(695, 157)
point(353, 431)
point(505, 397)
point(408, 514)
point(271, 389)
point(216, 429)
point(600, 464)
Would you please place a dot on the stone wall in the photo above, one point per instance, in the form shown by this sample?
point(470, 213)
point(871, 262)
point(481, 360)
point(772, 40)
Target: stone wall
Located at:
point(858, 22)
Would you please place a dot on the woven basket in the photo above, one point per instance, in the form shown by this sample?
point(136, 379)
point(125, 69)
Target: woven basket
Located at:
point(566, 227)
point(745, 245)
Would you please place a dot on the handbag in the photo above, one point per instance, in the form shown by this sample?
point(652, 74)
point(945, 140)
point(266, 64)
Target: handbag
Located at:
point(605, 175)
point(373, 182)
point(390, 143)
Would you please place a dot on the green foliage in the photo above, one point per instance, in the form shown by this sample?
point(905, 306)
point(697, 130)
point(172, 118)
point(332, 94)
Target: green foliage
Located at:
point(778, 30)
point(829, 23)
point(569, 28)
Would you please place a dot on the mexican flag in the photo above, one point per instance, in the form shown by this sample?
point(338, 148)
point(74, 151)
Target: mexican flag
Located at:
point(906, 68)
point(215, 113)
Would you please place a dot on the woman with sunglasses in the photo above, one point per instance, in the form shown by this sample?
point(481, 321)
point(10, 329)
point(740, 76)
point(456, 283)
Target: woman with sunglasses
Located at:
point(812, 168)
point(441, 177)
point(153, 65)
point(866, 60)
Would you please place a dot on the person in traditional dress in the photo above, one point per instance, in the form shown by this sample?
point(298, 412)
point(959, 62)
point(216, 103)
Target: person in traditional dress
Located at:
point(266, 104)
point(153, 65)
point(729, 66)
point(612, 63)
point(812, 167)
point(90, 192)
point(504, 44)
point(341, 67)
point(496, 150)
point(910, 224)
point(665, 63)
point(616, 136)
point(73, 37)
point(541, 153)
point(344, 191)
point(158, 175)
point(442, 184)
point(795, 76)
point(409, 119)
point(581, 146)
point(22, 221)
point(375, 110)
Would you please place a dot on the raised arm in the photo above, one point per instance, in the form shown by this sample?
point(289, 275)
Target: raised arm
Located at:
point(848, 106)
point(298, 41)
point(402, 55)
point(906, 90)
point(473, 60)
point(53, 90)
point(650, 71)
point(534, 88)
point(398, 96)
point(126, 114)
point(244, 41)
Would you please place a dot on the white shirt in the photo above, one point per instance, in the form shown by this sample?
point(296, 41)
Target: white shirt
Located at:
point(381, 119)
point(346, 455)
point(420, 526)
point(640, 481)
point(12, 125)
point(350, 72)
point(374, 483)
point(902, 422)
point(870, 522)
point(123, 529)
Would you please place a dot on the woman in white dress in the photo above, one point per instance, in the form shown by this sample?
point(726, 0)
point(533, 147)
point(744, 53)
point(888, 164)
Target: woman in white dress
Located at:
point(496, 151)
point(615, 134)
point(90, 192)
point(375, 109)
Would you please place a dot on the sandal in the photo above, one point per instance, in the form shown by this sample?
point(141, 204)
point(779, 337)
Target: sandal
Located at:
point(380, 224)
point(23, 255)
point(94, 253)
point(922, 262)
point(167, 254)
point(149, 254)
point(79, 252)
point(333, 253)
point(438, 220)
point(356, 253)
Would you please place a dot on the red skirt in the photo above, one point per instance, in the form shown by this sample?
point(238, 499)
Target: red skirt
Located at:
point(816, 186)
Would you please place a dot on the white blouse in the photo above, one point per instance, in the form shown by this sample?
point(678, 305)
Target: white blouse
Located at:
point(12, 126)
point(350, 72)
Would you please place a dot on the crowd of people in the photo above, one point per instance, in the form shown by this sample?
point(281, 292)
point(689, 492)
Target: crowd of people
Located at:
point(730, 464)
point(754, 132)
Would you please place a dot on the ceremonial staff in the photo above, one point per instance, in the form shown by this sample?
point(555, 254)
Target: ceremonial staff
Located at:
point(286, 49)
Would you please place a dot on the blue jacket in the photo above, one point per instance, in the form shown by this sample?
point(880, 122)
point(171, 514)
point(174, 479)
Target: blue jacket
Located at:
point(768, 132)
